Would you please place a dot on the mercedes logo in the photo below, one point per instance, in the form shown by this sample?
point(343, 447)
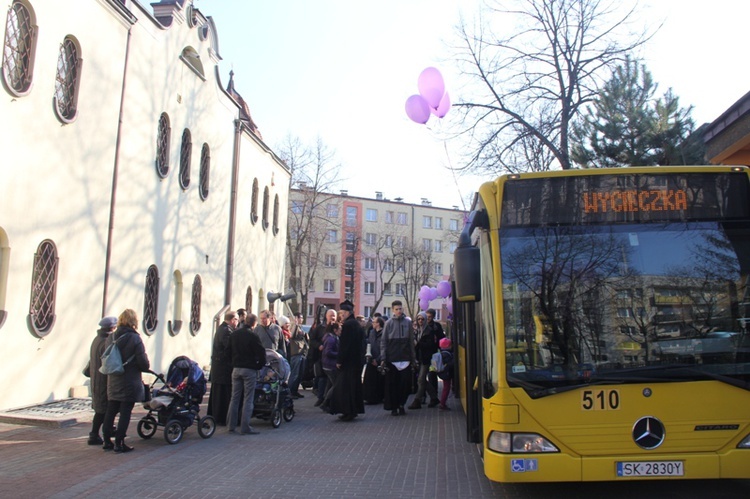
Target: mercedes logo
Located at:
point(648, 433)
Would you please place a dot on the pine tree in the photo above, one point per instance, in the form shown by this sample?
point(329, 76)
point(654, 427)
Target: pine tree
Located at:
point(617, 130)
point(626, 126)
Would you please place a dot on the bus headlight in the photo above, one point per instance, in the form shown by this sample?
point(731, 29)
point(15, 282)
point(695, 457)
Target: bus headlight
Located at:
point(744, 443)
point(513, 443)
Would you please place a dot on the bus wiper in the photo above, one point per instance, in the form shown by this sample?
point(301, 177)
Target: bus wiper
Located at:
point(534, 390)
point(665, 374)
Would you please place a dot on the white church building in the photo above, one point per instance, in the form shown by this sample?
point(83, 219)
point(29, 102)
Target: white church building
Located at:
point(132, 176)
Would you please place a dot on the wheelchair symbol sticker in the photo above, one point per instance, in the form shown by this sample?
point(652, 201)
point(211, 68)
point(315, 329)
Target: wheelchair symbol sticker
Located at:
point(523, 465)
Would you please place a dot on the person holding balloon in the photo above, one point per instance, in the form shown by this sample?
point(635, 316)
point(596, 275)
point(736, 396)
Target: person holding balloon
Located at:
point(437, 330)
point(427, 344)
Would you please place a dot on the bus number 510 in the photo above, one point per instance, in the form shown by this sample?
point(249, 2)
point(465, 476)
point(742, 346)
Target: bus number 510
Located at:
point(600, 400)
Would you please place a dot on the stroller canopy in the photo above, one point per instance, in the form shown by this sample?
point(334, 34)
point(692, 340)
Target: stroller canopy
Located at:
point(278, 364)
point(182, 368)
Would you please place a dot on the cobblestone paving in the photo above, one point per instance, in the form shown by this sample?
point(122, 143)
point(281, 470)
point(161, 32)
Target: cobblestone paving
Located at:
point(421, 455)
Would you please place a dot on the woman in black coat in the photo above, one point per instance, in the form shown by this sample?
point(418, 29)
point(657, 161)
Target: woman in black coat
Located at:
point(124, 390)
point(98, 380)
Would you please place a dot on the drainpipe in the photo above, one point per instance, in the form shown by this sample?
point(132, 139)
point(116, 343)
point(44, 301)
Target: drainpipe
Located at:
point(115, 169)
point(232, 212)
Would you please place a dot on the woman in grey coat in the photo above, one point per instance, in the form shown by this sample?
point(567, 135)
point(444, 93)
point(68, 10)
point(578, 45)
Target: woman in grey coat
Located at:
point(124, 390)
point(98, 380)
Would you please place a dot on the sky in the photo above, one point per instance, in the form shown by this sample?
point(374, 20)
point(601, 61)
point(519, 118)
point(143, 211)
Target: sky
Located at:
point(341, 71)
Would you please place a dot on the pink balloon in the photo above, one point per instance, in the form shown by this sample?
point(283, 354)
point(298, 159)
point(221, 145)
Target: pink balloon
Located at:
point(417, 109)
point(431, 86)
point(443, 107)
point(444, 289)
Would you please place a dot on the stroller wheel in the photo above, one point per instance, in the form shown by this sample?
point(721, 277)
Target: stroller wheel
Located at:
point(173, 431)
point(276, 418)
point(147, 427)
point(288, 414)
point(206, 426)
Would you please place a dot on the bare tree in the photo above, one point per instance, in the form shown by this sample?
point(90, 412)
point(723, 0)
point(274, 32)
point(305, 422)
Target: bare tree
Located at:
point(526, 88)
point(415, 263)
point(315, 173)
point(380, 246)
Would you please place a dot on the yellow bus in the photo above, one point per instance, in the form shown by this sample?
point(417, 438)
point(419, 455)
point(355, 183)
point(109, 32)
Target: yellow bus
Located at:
point(601, 318)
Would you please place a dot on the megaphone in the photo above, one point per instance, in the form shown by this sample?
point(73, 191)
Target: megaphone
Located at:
point(272, 297)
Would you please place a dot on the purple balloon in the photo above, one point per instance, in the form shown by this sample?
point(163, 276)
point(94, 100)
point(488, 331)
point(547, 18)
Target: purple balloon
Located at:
point(424, 304)
point(433, 294)
point(417, 109)
point(444, 289)
point(424, 292)
point(431, 86)
point(449, 307)
point(443, 107)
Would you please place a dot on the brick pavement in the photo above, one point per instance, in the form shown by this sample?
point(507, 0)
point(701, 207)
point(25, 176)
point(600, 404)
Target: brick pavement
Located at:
point(423, 454)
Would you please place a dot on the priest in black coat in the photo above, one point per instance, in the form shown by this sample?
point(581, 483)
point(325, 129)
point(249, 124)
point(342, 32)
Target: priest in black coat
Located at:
point(347, 398)
point(221, 370)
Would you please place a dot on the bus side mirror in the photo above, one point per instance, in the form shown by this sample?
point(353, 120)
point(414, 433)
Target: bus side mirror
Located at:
point(467, 276)
point(466, 262)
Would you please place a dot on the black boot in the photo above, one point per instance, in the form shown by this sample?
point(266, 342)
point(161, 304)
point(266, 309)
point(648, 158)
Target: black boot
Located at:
point(120, 446)
point(108, 445)
point(95, 439)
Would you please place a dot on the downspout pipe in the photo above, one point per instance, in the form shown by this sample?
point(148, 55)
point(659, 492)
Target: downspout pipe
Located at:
point(232, 212)
point(115, 173)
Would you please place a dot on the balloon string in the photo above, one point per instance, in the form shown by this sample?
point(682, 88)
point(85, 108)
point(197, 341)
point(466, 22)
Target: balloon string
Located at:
point(453, 174)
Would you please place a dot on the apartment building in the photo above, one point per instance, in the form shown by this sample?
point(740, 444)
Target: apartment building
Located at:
point(368, 250)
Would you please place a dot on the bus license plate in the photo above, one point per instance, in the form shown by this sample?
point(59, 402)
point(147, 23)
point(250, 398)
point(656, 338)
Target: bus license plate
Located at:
point(650, 468)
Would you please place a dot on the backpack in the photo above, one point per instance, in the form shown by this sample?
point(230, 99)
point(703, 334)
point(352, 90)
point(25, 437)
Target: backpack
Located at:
point(436, 363)
point(446, 359)
point(112, 360)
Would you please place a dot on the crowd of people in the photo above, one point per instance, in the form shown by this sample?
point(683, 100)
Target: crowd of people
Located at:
point(348, 361)
point(381, 370)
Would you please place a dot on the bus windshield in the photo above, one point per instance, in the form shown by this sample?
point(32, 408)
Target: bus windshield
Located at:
point(626, 303)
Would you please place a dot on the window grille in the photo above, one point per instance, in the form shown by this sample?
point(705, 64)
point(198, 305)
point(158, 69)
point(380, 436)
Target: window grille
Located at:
point(195, 306)
point(43, 289)
point(254, 204)
point(276, 214)
point(66, 81)
point(266, 202)
point(151, 300)
point(162, 146)
point(185, 153)
point(205, 172)
point(18, 49)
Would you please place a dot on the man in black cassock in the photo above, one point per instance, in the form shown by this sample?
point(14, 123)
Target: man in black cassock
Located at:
point(346, 398)
point(221, 370)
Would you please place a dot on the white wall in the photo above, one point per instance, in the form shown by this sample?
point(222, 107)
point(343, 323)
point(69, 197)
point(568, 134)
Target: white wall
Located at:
point(56, 180)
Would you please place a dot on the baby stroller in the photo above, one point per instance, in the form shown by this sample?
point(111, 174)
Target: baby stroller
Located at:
point(273, 399)
point(175, 404)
